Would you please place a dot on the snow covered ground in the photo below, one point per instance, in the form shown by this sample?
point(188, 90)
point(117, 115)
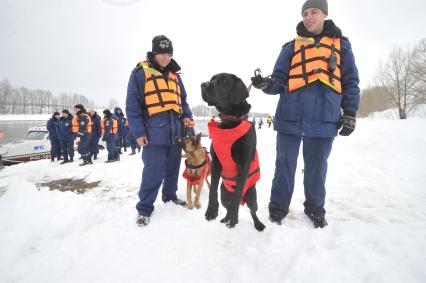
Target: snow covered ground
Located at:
point(375, 208)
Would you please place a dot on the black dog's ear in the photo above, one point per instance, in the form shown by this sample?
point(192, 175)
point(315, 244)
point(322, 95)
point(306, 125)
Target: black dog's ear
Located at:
point(239, 91)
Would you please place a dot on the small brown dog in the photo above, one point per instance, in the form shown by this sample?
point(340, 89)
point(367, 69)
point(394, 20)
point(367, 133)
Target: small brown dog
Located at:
point(197, 168)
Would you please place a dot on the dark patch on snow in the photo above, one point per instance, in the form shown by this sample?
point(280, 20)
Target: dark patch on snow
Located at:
point(2, 190)
point(72, 185)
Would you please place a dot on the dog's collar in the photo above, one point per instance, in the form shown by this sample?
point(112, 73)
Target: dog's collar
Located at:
point(232, 117)
point(189, 166)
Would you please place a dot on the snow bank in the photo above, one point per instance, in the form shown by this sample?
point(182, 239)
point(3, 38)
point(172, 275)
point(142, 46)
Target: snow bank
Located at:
point(392, 114)
point(25, 117)
point(375, 208)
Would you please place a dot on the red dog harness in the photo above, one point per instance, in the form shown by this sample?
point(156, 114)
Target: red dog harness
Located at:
point(206, 170)
point(222, 141)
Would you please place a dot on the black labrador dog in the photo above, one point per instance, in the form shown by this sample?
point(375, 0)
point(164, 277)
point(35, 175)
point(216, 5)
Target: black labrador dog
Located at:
point(228, 94)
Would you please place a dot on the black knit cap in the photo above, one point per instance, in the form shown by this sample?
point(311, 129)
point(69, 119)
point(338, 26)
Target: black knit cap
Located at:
point(66, 111)
point(319, 4)
point(55, 113)
point(161, 44)
point(107, 112)
point(79, 106)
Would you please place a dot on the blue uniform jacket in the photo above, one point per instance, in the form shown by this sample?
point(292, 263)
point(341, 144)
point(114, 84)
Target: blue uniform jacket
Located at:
point(52, 128)
point(96, 127)
point(121, 122)
point(161, 128)
point(65, 129)
point(314, 109)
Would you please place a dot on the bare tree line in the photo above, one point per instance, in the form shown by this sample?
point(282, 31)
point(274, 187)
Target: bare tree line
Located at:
point(401, 82)
point(21, 100)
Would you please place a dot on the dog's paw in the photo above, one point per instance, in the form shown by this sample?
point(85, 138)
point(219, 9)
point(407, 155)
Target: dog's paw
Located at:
point(259, 226)
point(229, 221)
point(189, 205)
point(212, 212)
point(197, 205)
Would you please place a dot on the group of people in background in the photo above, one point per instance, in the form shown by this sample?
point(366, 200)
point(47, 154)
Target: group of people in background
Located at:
point(269, 121)
point(86, 129)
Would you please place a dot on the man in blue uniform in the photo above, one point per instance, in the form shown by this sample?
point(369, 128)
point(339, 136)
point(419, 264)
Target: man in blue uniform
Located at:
point(55, 145)
point(157, 110)
point(82, 130)
point(316, 77)
point(96, 134)
point(109, 130)
point(66, 136)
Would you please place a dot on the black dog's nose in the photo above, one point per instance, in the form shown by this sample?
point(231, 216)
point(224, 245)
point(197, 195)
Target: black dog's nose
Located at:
point(205, 85)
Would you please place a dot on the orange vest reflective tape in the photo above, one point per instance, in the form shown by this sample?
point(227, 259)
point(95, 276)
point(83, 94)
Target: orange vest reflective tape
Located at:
point(314, 61)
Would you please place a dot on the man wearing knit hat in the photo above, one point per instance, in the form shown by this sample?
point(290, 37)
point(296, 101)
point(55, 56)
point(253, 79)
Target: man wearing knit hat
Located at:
point(316, 77)
point(82, 129)
point(157, 113)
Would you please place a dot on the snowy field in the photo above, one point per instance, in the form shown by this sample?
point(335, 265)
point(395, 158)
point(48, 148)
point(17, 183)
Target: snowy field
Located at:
point(376, 197)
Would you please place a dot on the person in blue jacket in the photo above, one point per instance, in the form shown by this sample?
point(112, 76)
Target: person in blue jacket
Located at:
point(96, 133)
point(66, 136)
point(122, 132)
point(157, 110)
point(55, 145)
point(316, 78)
point(109, 127)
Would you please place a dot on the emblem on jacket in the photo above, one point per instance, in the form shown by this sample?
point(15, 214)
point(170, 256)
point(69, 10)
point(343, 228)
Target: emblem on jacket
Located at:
point(82, 123)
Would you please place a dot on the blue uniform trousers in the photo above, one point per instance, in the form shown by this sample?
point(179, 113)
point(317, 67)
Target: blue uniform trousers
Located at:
point(67, 147)
point(110, 143)
point(55, 148)
point(94, 145)
point(161, 166)
point(84, 147)
point(316, 151)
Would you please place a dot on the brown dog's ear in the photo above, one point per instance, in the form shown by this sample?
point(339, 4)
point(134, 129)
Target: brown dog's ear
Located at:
point(239, 91)
point(198, 140)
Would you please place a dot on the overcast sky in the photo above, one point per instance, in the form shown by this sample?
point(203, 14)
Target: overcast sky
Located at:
point(90, 46)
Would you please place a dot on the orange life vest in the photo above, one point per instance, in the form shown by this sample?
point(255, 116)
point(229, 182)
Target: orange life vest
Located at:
point(161, 95)
point(105, 123)
point(82, 123)
point(310, 63)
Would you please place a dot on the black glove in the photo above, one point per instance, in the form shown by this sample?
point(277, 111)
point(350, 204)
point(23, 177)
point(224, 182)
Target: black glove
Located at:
point(260, 82)
point(347, 122)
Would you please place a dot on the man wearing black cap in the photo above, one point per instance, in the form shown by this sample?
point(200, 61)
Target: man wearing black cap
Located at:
point(52, 128)
point(157, 111)
point(82, 129)
point(316, 77)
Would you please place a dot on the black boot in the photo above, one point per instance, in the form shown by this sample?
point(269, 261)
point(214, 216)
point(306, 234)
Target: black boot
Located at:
point(133, 152)
point(52, 159)
point(142, 220)
point(318, 220)
point(95, 157)
point(276, 213)
point(72, 159)
point(65, 161)
point(179, 202)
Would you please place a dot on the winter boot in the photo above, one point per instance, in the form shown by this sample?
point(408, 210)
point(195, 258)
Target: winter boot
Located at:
point(52, 159)
point(58, 158)
point(276, 213)
point(179, 202)
point(318, 220)
point(133, 152)
point(125, 149)
point(72, 159)
point(64, 161)
point(85, 162)
point(95, 156)
point(142, 220)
